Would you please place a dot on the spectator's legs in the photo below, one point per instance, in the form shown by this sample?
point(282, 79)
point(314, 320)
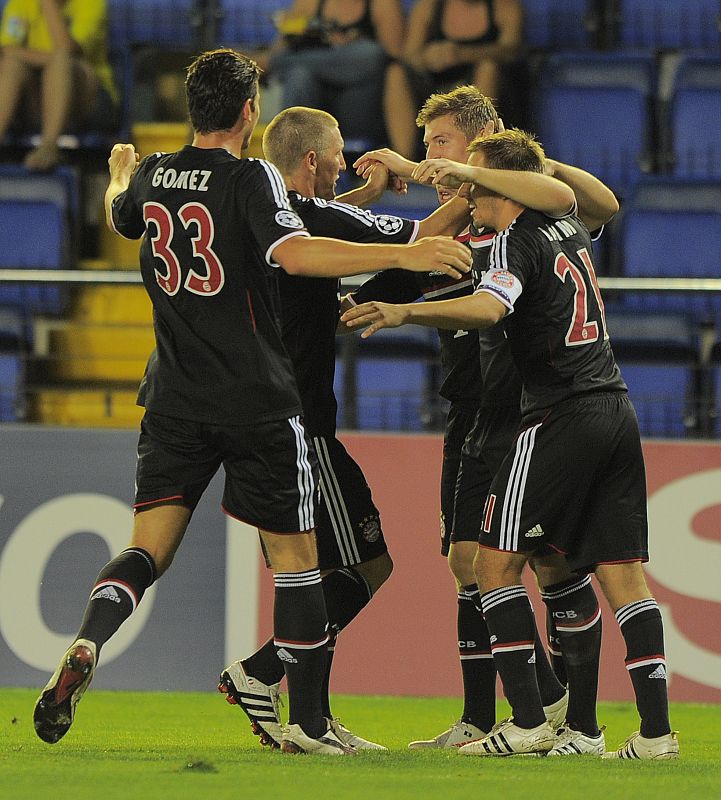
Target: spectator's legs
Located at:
point(400, 111)
point(68, 86)
point(14, 73)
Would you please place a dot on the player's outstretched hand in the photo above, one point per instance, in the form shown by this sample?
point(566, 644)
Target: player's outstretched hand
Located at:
point(438, 254)
point(123, 160)
point(395, 162)
point(443, 171)
point(375, 315)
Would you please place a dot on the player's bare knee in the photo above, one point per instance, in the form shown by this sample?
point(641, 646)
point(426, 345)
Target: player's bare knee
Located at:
point(495, 569)
point(295, 552)
point(376, 571)
point(460, 560)
point(551, 569)
point(622, 583)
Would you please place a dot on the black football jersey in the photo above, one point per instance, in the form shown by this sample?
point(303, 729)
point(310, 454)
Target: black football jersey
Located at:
point(459, 349)
point(541, 268)
point(310, 307)
point(211, 223)
point(499, 376)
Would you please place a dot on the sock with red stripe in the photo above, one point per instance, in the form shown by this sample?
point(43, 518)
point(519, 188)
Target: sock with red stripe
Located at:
point(509, 617)
point(642, 629)
point(477, 667)
point(118, 589)
point(300, 626)
point(346, 594)
point(574, 607)
point(554, 649)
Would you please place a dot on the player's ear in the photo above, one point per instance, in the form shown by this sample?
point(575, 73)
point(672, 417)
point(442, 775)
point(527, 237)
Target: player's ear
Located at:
point(311, 161)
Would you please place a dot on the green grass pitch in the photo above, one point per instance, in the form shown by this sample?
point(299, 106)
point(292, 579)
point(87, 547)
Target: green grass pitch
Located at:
point(173, 746)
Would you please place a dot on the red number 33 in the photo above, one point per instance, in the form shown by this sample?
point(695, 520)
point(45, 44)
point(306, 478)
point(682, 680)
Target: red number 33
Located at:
point(197, 215)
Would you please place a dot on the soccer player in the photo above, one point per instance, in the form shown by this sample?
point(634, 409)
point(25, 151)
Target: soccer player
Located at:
point(573, 486)
point(306, 146)
point(219, 387)
point(484, 389)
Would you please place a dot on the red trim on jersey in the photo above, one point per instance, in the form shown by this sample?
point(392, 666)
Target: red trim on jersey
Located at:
point(250, 309)
point(464, 237)
point(489, 547)
point(483, 237)
point(137, 506)
point(254, 525)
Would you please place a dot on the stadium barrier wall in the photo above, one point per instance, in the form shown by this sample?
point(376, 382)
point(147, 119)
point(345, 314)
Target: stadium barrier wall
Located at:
point(65, 507)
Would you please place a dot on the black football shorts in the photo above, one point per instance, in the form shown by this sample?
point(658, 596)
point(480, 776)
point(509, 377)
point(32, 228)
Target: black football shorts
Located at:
point(461, 416)
point(271, 476)
point(573, 483)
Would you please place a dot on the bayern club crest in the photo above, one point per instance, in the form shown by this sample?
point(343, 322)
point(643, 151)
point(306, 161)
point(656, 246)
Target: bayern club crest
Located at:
point(289, 219)
point(388, 224)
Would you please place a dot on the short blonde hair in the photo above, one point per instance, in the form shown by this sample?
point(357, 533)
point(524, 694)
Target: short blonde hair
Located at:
point(512, 149)
point(293, 133)
point(470, 108)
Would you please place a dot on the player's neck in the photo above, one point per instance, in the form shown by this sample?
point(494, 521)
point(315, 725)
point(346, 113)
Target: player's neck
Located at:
point(300, 181)
point(506, 212)
point(225, 140)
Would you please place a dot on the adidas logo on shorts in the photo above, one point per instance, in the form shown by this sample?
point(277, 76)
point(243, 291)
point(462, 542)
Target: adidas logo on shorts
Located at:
point(536, 530)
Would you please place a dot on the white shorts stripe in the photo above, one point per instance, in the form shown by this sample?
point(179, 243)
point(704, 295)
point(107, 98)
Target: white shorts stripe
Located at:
point(306, 486)
point(513, 500)
point(335, 503)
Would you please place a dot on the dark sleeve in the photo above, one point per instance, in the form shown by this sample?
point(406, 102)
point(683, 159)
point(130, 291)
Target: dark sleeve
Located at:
point(511, 264)
point(391, 286)
point(267, 208)
point(353, 224)
point(127, 208)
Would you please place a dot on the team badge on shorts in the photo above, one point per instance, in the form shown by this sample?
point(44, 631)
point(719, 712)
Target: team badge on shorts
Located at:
point(289, 219)
point(370, 529)
point(388, 225)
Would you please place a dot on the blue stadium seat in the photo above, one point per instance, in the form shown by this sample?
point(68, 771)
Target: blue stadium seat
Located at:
point(673, 244)
point(661, 395)
point(161, 23)
point(605, 130)
point(669, 24)
point(38, 213)
point(696, 132)
point(11, 387)
point(602, 69)
point(395, 380)
point(248, 22)
point(560, 24)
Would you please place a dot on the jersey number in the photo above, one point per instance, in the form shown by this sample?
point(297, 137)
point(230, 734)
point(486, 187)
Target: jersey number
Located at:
point(161, 243)
point(581, 330)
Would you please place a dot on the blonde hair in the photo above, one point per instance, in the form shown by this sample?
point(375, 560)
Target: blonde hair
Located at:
point(293, 133)
point(512, 149)
point(471, 110)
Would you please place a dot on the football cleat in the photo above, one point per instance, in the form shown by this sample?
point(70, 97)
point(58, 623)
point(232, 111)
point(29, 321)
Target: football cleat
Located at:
point(556, 712)
point(637, 746)
point(260, 702)
point(574, 743)
point(457, 735)
point(507, 739)
point(294, 740)
point(55, 708)
point(352, 739)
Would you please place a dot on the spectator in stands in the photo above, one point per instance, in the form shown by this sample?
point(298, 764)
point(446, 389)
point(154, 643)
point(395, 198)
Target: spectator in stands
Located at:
point(332, 54)
point(449, 42)
point(54, 58)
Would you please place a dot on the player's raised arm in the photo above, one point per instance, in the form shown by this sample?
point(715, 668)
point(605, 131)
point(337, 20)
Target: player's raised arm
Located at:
point(396, 163)
point(532, 189)
point(330, 258)
point(474, 311)
point(121, 164)
point(597, 204)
